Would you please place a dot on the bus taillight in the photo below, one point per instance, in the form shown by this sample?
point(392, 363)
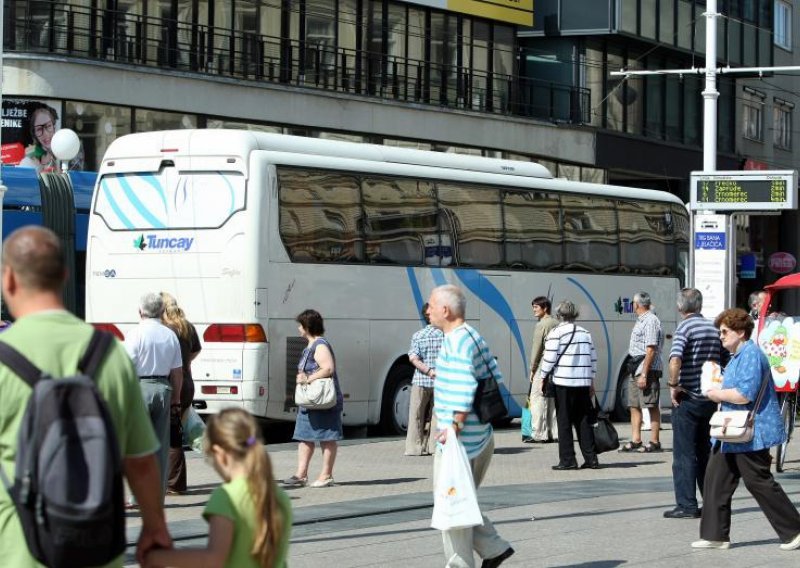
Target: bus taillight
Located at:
point(110, 328)
point(235, 333)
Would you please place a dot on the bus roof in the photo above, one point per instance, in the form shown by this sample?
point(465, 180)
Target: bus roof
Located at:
point(240, 143)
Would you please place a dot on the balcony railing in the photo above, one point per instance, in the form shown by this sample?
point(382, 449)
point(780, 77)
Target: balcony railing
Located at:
point(127, 38)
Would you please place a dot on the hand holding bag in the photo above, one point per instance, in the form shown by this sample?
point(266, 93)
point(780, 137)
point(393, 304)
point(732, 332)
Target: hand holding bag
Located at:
point(736, 426)
point(455, 502)
point(548, 386)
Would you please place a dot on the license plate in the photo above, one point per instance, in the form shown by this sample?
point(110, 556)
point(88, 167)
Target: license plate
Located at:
point(223, 390)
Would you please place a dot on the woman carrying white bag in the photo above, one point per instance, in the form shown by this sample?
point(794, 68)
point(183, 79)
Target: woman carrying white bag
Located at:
point(740, 447)
point(464, 360)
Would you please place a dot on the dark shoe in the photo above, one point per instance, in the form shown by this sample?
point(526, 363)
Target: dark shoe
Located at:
point(678, 513)
point(497, 560)
point(651, 447)
point(590, 465)
point(527, 440)
point(565, 466)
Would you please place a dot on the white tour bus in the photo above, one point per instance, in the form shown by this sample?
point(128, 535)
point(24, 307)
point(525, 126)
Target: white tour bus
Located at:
point(249, 229)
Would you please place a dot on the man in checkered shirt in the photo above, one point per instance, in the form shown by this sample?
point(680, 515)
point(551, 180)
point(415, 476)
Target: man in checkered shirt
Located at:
point(424, 350)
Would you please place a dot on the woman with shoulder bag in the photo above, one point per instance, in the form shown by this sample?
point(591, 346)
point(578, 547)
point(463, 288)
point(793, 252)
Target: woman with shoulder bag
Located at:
point(745, 376)
point(569, 365)
point(314, 425)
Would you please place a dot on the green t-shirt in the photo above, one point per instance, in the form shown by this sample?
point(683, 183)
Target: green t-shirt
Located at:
point(232, 500)
point(55, 341)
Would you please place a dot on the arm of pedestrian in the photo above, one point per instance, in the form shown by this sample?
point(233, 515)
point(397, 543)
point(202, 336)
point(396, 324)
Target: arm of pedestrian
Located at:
point(176, 380)
point(144, 479)
point(732, 396)
point(324, 359)
point(418, 364)
point(220, 540)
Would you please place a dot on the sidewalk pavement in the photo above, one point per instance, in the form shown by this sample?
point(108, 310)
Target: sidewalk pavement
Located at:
point(378, 513)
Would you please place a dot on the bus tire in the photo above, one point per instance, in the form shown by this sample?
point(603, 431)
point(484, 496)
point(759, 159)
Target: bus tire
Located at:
point(621, 411)
point(396, 398)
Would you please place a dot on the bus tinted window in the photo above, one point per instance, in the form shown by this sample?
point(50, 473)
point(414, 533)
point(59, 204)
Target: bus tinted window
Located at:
point(400, 221)
point(591, 240)
point(169, 200)
point(342, 217)
point(533, 230)
point(477, 223)
point(320, 216)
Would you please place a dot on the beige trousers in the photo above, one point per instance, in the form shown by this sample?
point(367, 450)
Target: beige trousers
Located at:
point(421, 435)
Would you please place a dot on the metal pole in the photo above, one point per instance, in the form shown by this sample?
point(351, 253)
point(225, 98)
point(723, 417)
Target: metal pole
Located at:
point(710, 93)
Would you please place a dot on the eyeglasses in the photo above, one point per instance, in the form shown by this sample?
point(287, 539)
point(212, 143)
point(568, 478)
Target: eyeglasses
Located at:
point(42, 128)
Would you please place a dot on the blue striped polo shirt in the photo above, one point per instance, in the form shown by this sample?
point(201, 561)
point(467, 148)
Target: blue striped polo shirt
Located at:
point(464, 359)
point(696, 341)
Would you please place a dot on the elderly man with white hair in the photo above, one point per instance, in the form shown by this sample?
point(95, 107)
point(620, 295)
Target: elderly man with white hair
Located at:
point(464, 359)
point(156, 355)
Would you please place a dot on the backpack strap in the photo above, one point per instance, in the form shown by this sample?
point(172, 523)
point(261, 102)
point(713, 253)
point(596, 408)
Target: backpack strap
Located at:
point(19, 364)
point(95, 352)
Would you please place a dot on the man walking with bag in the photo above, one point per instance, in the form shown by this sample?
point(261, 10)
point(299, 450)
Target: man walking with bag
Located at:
point(54, 340)
point(696, 341)
point(464, 360)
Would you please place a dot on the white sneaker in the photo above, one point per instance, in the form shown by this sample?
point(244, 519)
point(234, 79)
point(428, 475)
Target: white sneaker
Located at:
point(793, 544)
point(718, 544)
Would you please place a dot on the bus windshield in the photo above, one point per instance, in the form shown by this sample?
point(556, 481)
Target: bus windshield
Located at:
point(169, 199)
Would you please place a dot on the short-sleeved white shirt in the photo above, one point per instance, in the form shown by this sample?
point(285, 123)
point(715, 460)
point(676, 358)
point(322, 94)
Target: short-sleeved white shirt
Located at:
point(154, 348)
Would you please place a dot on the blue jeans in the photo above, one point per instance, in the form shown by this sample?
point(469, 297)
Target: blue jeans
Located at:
point(157, 394)
point(691, 446)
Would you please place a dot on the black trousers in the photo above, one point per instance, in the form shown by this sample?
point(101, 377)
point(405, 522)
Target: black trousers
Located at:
point(722, 479)
point(573, 409)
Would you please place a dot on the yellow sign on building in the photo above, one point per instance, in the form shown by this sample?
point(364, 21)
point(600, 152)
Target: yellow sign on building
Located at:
point(518, 12)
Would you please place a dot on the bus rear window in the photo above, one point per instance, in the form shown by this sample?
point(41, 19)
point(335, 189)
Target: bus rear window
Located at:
point(169, 199)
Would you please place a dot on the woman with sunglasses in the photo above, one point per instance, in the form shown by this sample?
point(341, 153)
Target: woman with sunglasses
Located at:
point(729, 462)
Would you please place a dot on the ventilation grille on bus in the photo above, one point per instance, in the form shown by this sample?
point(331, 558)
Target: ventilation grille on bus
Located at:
point(294, 350)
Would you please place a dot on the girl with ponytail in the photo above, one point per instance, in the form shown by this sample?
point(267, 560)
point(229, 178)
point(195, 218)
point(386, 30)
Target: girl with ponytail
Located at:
point(249, 517)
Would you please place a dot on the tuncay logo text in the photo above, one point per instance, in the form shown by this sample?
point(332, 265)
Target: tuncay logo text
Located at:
point(155, 242)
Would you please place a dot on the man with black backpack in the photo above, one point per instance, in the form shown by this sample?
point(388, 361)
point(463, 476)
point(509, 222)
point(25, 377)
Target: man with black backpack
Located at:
point(71, 400)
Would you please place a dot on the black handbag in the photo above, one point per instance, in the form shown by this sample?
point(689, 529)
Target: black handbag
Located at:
point(606, 438)
point(488, 402)
point(548, 385)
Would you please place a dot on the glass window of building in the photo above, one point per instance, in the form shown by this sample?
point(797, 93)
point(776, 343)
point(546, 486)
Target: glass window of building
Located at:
point(237, 125)
point(648, 18)
point(782, 123)
point(627, 15)
point(666, 23)
point(147, 120)
point(685, 23)
point(97, 126)
point(783, 24)
point(348, 32)
point(753, 114)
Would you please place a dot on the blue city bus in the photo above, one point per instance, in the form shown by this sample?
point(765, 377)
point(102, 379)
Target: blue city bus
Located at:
point(60, 202)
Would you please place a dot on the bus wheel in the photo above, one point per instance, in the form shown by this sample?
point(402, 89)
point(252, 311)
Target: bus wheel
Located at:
point(396, 399)
point(621, 411)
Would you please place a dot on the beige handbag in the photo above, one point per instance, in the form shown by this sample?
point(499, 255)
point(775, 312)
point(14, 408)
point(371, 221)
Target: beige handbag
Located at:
point(736, 426)
point(319, 394)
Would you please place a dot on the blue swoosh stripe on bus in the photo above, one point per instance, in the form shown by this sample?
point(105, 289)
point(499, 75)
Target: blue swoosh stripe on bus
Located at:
point(438, 276)
point(150, 179)
point(605, 331)
point(412, 280)
point(139, 206)
point(483, 288)
point(115, 206)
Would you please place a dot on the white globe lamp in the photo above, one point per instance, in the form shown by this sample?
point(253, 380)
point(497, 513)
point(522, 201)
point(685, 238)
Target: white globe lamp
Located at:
point(65, 145)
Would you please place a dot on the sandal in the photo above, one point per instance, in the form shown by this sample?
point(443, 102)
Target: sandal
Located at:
point(651, 447)
point(295, 481)
point(631, 447)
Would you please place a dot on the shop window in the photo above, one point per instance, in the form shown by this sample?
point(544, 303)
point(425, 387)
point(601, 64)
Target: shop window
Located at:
point(149, 120)
point(97, 126)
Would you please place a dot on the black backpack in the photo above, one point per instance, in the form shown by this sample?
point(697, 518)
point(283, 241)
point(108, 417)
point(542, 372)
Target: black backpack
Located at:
point(68, 488)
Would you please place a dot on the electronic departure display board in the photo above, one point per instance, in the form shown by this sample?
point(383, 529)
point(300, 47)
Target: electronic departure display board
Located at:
point(751, 190)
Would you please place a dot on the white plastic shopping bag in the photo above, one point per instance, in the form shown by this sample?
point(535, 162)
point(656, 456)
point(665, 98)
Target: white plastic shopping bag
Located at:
point(710, 376)
point(455, 502)
point(193, 428)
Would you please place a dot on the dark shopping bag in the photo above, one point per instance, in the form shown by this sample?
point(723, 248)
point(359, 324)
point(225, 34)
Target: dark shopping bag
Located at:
point(606, 438)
